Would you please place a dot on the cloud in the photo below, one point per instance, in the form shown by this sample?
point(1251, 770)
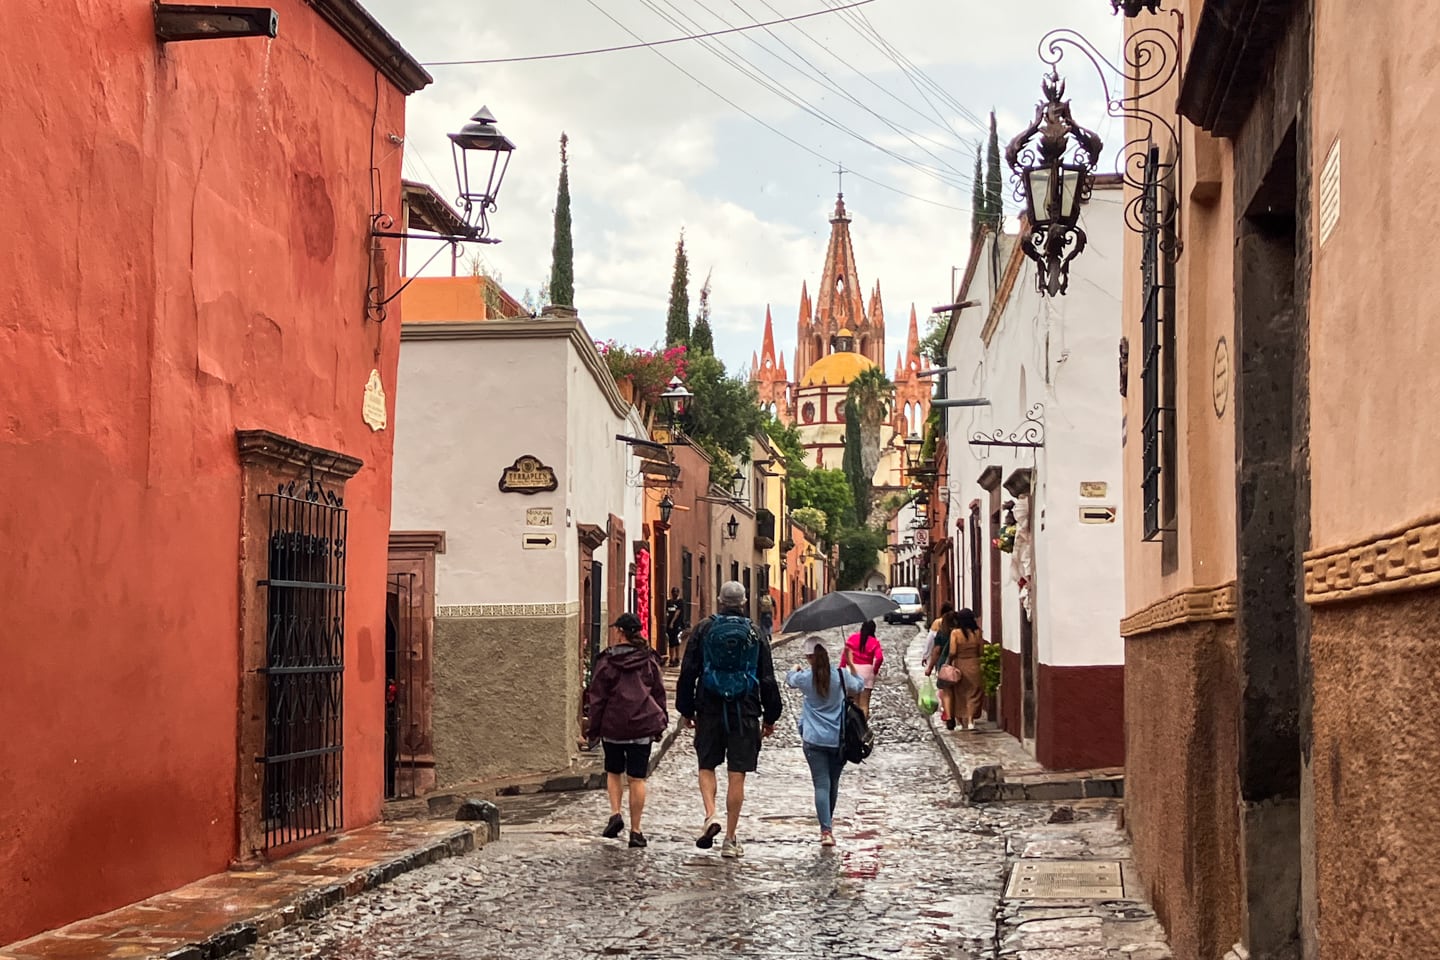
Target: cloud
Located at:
point(653, 152)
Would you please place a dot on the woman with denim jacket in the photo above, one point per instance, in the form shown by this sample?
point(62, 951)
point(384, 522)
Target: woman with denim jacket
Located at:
point(821, 716)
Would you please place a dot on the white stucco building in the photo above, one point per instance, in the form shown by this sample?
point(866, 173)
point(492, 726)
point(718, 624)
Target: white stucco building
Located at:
point(1048, 367)
point(506, 447)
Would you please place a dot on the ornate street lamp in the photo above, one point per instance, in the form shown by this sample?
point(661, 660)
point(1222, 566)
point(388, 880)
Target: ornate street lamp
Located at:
point(737, 484)
point(732, 528)
point(1132, 8)
point(677, 400)
point(1053, 176)
point(480, 189)
point(913, 445)
point(666, 506)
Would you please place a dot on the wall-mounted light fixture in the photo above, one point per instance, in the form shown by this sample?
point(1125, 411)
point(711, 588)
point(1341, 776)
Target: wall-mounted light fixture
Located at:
point(175, 22)
point(1053, 176)
point(478, 144)
point(1132, 8)
point(677, 401)
point(666, 506)
point(737, 484)
point(732, 528)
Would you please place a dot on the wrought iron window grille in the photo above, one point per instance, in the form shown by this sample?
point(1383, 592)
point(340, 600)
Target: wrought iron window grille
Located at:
point(1156, 426)
point(302, 776)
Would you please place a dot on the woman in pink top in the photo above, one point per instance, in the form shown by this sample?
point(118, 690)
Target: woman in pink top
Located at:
point(864, 651)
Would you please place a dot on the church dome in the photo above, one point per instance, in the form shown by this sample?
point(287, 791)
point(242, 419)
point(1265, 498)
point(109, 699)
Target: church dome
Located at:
point(838, 369)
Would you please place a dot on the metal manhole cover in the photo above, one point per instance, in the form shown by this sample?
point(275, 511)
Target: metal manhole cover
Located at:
point(1066, 880)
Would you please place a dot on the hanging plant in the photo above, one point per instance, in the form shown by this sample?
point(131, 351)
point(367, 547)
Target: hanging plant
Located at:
point(1006, 540)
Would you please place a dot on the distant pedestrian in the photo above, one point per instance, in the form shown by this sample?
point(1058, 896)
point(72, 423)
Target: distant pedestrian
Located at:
point(966, 645)
point(821, 716)
point(866, 656)
point(767, 614)
point(626, 712)
point(936, 654)
point(727, 692)
point(675, 617)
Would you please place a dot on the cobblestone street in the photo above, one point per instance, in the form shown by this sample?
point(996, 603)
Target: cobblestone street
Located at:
point(917, 873)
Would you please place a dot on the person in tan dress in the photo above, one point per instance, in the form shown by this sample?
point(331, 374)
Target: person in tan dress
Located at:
point(966, 644)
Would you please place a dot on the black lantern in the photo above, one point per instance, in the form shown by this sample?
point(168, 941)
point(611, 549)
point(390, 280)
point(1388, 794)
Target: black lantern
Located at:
point(677, 399)
point(1132, 8)
point(737, 484)
point(666, 506)
point(913, 445)
point(1053, 176)
point(479, 188)
point(732, 528)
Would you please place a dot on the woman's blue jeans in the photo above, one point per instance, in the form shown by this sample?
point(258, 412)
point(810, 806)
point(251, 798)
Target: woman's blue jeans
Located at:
point(825, 766)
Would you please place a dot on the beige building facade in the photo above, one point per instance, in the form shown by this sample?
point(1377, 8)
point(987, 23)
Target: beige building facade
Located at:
point(1281, 520)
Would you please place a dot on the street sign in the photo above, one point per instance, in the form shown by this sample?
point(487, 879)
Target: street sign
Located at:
point(922, 537)
point(539, 541)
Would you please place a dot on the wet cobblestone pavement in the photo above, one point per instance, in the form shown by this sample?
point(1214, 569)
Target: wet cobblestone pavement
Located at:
point(916, 874)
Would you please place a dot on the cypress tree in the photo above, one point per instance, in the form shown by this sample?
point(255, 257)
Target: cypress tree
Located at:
point(852, 462)
point(994, 205)
point(702, 338)
point(677, 324)
point(979, 213)
point(562, 254)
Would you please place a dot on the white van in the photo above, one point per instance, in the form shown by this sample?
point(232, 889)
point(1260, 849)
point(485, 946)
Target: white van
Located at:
point(909, 610)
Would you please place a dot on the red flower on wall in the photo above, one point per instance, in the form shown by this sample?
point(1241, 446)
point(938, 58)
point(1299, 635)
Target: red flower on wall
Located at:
point(642, 591)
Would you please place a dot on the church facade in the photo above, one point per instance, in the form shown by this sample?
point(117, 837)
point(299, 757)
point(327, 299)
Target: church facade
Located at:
point(836, 340)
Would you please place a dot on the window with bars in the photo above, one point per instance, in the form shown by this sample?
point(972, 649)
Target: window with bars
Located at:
point(1158, 351)
point(304, 662)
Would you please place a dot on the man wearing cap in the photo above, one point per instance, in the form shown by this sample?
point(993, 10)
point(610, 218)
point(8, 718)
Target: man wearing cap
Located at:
point(728, 694)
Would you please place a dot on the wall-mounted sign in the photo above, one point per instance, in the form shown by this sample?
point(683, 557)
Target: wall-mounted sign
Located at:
point(1093, 488)
point(528, 475)
point(922, 538)
point(1097, 514)
point(539, 541)
point(539, 516)
point(372, 407)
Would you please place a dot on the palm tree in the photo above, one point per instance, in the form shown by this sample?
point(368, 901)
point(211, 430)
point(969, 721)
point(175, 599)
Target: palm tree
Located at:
point(871, 394)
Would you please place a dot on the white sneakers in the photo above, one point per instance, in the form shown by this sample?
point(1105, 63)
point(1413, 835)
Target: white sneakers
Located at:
point(731, 849)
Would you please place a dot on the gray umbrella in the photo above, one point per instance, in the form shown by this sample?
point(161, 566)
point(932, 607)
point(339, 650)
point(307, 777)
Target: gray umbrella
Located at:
point(839, 609)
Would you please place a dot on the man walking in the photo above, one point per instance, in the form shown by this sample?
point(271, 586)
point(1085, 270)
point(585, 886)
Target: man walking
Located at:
point(674, 626)
point(727, 693)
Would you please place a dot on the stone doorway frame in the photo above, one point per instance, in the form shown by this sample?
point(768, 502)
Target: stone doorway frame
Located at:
point(413, 552)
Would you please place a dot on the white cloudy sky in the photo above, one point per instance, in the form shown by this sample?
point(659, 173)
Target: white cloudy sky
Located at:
point(652, 150)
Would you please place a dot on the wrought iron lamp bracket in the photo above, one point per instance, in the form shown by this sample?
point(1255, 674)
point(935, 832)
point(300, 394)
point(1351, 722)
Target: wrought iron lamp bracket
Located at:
point(1030, 434)
point(1150, 61)
point(380, 228)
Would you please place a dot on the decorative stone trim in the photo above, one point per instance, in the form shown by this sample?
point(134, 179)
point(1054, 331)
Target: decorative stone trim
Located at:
point(505, 611)
point(1195, 605)
point(418, 540)
point(1400, 559)
point(269, 449)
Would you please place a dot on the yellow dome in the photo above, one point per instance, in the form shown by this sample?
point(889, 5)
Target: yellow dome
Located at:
point(838, 369)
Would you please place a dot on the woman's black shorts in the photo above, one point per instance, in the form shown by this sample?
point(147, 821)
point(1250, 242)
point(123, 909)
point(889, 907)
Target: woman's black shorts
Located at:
point(631, 759)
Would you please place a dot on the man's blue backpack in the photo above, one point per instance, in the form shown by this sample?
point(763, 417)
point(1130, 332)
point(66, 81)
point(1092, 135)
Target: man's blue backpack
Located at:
point(731, 649)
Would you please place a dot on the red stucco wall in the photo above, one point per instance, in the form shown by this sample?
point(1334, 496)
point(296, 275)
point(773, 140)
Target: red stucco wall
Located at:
point(185, 256)
point(1080, 716)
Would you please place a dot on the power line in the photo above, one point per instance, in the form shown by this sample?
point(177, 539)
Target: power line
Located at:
point(644, 43)
point(779, 133)
point(958, 180)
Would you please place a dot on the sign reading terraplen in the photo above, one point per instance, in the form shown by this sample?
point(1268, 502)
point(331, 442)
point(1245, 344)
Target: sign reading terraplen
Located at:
point(528, 475)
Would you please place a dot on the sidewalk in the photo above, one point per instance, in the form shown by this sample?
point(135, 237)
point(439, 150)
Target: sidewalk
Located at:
point(227, 911)
point(993, 766)
point(1073, 893)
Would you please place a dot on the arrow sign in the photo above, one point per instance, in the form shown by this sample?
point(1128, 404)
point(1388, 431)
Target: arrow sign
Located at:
point(539, 541)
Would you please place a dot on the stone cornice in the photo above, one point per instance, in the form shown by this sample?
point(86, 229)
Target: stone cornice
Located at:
point(266, 448)
point(1403, 558)
point(1229, 59)
point(528, 328)
point(1194, 605)
point(364, 33)
point(1007, 284)
point(418, 540)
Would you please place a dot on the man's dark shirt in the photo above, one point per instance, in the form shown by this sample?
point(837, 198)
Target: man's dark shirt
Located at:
point(674, 615)
point(691, 695)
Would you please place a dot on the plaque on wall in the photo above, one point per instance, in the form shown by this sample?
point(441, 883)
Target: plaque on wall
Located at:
point(539, 516)
point(528, 475)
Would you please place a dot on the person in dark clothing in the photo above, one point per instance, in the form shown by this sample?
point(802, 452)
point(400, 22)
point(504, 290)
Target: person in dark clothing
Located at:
point(674, 626)
point(728, 694)
point(625, 706)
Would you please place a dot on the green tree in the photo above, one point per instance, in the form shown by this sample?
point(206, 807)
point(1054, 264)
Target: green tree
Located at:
point(859, 551)
point(677, 324)
point(787, 438)
point(853, 462)
point(702, 340)
point(562, 254)
point(994, 203)
point(826, 490)
point(723, 415)
point(979, 212)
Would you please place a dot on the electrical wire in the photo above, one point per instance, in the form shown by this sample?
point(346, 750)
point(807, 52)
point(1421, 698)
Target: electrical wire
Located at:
point(753, 72)
point(644, 43)
point(779, 133)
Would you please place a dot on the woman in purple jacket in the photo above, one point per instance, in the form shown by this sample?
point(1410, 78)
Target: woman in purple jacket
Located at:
point(625, 709)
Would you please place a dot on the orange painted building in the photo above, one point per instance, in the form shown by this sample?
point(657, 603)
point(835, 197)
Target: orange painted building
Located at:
point(184, 330)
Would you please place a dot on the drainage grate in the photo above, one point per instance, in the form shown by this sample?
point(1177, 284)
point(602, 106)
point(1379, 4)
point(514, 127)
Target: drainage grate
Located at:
point(1066, 880)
